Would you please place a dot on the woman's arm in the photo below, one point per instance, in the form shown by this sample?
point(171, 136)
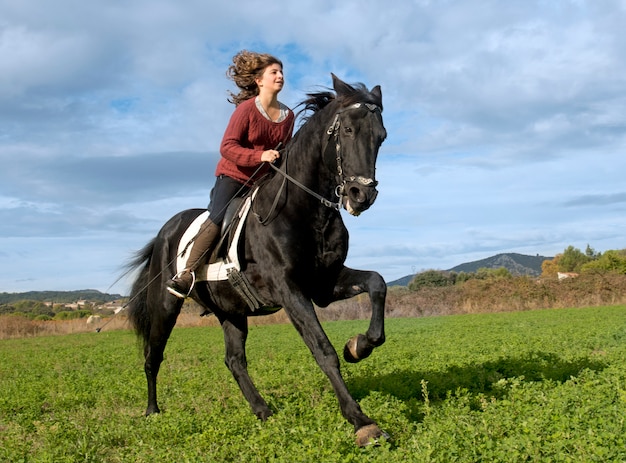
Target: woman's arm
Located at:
point(235, 145)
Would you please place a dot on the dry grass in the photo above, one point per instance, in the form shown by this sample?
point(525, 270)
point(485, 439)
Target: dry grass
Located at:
point(506, 295)
point(473, 296)
point(15, 326)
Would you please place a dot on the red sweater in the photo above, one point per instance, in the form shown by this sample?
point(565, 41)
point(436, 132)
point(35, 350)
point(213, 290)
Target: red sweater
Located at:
point(248, 134)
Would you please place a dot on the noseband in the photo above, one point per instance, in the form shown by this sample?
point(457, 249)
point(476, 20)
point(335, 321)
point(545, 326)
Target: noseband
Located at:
point(332, 132)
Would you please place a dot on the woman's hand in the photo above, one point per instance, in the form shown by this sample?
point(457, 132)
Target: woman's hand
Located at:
point(270, 155)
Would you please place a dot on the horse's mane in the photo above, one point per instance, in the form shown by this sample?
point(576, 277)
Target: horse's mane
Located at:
point(346, 95)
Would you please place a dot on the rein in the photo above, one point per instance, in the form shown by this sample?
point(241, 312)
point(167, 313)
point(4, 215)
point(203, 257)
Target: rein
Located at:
point(323, 200)
point(332, 132)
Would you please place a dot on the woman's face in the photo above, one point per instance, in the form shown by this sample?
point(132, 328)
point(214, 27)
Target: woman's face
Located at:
point(272, 79)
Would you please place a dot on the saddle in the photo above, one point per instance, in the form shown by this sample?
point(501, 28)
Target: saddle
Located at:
point(226, 263)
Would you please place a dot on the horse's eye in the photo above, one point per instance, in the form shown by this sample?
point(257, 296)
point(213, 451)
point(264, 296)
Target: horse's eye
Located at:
point(348, 130)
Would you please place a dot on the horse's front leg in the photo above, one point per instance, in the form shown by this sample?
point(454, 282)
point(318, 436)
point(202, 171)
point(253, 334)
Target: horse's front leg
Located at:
point(350, 283)
point(305, 320)
point(235, 334)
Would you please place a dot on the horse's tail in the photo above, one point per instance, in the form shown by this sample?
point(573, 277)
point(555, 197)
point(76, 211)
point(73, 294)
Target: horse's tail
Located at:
point(138, 311)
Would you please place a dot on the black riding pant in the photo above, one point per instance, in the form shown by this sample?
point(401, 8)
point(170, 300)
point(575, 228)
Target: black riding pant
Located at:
point(224, 190)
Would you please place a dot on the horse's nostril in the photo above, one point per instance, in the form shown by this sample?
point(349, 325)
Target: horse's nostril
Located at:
point(357, 195)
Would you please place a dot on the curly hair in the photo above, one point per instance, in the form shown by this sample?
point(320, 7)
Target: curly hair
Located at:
point(246, 67)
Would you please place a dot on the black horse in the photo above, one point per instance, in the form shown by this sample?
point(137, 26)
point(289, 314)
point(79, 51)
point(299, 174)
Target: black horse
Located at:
point(292, 251)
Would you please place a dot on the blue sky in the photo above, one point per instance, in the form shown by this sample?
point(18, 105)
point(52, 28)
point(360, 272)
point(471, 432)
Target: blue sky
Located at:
point(506, 122)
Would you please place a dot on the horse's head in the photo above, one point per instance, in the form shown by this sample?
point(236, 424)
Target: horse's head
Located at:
point(351, 148)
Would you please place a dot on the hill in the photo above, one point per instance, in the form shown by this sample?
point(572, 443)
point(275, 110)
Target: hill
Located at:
point(60, 297)
point(517, 264)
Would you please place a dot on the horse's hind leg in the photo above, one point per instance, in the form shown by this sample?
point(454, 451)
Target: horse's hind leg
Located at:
point(350, 283)
point(235, 334)
point(160, 330)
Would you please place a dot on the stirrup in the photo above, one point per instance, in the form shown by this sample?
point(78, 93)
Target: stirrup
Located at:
point(180, 294)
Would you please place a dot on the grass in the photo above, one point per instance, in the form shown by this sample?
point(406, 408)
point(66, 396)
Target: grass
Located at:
point(546, 385)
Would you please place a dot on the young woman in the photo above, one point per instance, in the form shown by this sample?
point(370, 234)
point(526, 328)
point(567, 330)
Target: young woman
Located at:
point(257, 126)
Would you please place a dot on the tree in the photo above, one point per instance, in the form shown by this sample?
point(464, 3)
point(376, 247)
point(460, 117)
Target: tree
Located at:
point(550, 268)
point(590, 252)
point(572, 260)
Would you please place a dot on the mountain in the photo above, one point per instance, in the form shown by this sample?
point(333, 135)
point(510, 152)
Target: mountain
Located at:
point(517, 264)
point(404, 281)
point(90, 295)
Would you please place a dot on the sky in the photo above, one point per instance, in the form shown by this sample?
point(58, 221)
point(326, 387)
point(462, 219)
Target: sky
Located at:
point(506, 124)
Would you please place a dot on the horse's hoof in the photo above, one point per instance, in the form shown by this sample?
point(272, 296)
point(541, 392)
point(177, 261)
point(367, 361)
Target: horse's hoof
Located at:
point(152, 410)
point(356, 349)
point(370, 435)
point(349, 351)
point(263, 415)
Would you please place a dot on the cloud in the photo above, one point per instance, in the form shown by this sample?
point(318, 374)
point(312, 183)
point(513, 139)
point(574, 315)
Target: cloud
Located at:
point(108, 180)
point(597, 200)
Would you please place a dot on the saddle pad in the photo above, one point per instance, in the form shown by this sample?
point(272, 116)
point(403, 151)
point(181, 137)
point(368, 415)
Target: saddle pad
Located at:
point(217, 270)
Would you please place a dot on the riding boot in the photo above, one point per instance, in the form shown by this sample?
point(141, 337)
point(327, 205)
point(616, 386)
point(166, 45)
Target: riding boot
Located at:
point(204, 242)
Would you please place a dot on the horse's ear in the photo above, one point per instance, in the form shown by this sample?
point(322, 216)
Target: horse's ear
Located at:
point(335, 79)
point(378, 93)
point(341, 88)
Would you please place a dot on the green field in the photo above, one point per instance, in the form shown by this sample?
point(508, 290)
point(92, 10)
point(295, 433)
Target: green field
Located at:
point(545, 385)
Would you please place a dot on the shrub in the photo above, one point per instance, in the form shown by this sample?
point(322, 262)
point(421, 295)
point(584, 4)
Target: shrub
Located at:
point(72, 314)
point(432, 278)
point(484, 273)
point(495, 273)
point(610, 261)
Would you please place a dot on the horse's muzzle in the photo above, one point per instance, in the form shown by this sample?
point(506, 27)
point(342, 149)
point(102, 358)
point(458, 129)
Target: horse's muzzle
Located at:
point(358, 197)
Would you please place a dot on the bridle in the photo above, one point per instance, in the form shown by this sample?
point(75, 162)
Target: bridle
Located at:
point(333, 132)
point(340, 189)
